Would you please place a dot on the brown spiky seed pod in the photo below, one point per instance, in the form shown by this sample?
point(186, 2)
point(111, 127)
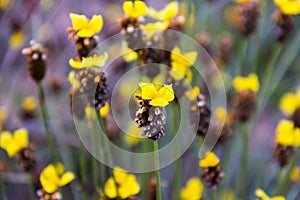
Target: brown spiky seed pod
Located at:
point(93, 87)
point(246, 103)
point(284, 25)
point(151, 118)
point(225, 47)
point(36, 60)
point(296, 118)
point(132, 33)
point(212, 176)
point(26, 158)
point(283, 154)
point(249, 13)
point(43, 195)
point(85, 46)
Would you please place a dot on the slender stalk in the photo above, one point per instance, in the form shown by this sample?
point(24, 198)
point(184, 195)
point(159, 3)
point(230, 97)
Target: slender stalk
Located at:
point(31, 186)
point(157, 172)
point(242, 55)
point(45, 117)
point(83, 171)
point(94, 161)
point(107, 152)
point(2, 186)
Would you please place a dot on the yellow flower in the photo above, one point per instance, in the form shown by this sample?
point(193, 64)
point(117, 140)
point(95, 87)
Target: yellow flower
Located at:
point(54, 176)
point(193, 190)
point(167, 13)
point(151, 28)
point(289, 103)
point(135, 9)
point(72, 79)
point(285, 133)
point(13, 143)
point(295, 174)
point(126, 183)
point(128, 54)
point(3, 115)
point(92, 61)
point(220, 114)
point(159, 95)
point(263, 196)
point(4, 4)
point(133, 134)
point(288, 7)
point(210, 160)
point(29, 103)
point(181, 63)
point(242, 1)
point(16, 39)
point(250, 83)
point(192, 94)
point(84, 27)
point(104, 110)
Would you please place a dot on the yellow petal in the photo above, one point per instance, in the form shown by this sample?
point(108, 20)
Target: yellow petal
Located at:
point(135, 9)
point(85, 32)
point(21, 138)
point(29, 103)
point(60, 168)
point(120, 175)
point(166, 92)
point(6, 139)
point(128, 54)
point(289, 103)
point(285, 133)
point(159, 102)
point(210, 160)
point(66, 178)
point(193, 189)
point(192, 94)
point(151, 28)
point(261, 194)
point(148, 90)
point(220, 114)
point(110, 188)
point(129, 188)
point(16, 39)
point(75, 64)
point(78, 21)
point(104, 110)
point(96, 23)
point(288, 7)
point(94, 61)
point(49, 179)
point(72, 79)
point(167, 13)
point(250, 83)
point(295, 174)
point(90, 113)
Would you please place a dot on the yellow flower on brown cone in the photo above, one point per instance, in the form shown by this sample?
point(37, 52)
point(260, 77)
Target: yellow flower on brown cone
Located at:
point(210, 160)
point(135, 9)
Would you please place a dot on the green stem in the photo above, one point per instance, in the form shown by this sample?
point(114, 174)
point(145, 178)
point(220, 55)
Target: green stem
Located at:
point(242, 55)
point(94, 149)
point(45, 117)
point(107, 152)
point(31, 186)
point(82, 165)
point(265, 92)
point(157, 172)
point(2, 186)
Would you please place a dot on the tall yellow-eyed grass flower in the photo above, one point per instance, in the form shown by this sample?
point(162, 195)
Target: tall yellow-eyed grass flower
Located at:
point(193, 189)
point(54, 176)
point(198, 110)
point(246, 88)
point(135, 9)
point(212, 171)
point(84, 27)
point(263, 196)
point(126, 185)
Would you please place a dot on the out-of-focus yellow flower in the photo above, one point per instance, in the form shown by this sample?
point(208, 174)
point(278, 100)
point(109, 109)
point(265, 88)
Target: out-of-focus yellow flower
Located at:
point(295, 174)
point(104, 110)
point(128, 54)
point(72, 79)
point(287, 134)
point(193, 93)
point(135, 9)
point(54, 176)
point(127, 185)
point(92, 61)
point(193, 189)
point(133, 134)
point(167, 13)
point(290, 102)
point(288, 7)
point(159, 95)
point(242, 1)
point(263, 196)
point(181, 62)
point(86, 28)
point(4, 4)
point(3, 115)
point(220, 114)
point(29, 103)
point(210, 160)
point(17, 39)
point(13, 143)
point(151, 28)
point(250, 82)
